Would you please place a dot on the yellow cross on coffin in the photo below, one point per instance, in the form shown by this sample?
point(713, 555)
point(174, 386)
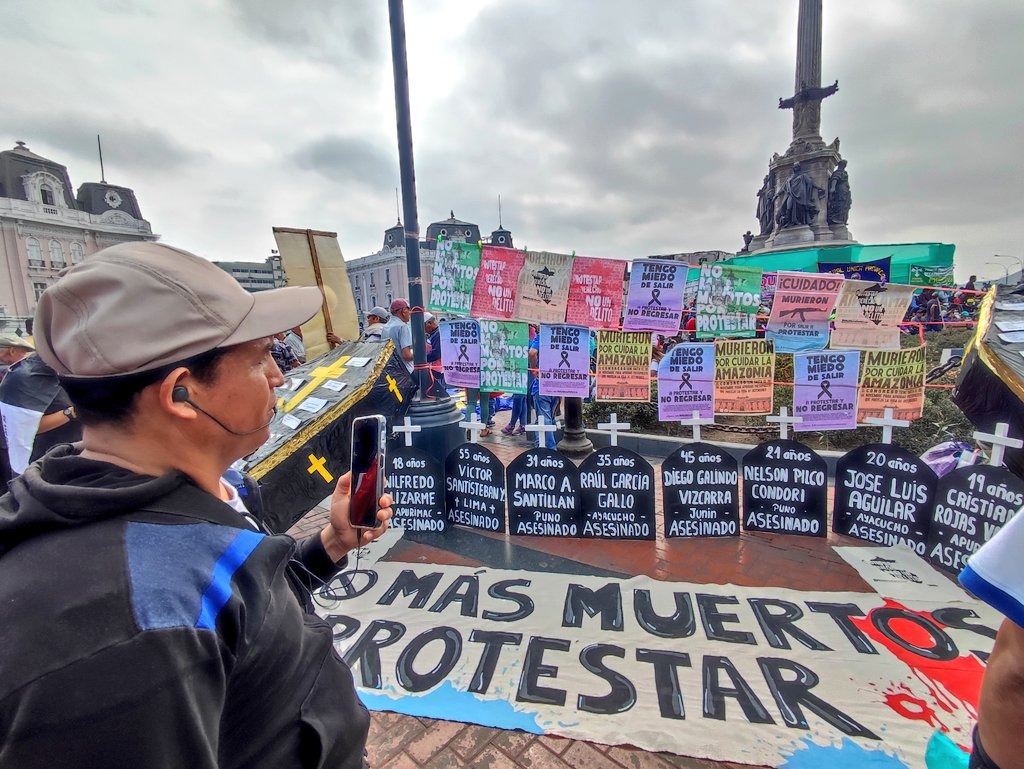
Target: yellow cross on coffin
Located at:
point(317, 377)
point(319, 465)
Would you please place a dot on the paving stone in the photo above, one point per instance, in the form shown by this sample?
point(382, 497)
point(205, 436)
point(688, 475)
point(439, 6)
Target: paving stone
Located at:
point(512, 742)
point(557, 745)
point(472, 740)
point(584, 754)
point(633, 758)
point(446, 759)
point(491, 758)
point(392, 738)
point(400, 761)
point(536, 756)
point(436, 735)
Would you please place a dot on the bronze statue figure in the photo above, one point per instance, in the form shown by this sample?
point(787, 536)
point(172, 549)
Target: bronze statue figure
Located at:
point(839, 197)
point(766, 205)
point(799, 204)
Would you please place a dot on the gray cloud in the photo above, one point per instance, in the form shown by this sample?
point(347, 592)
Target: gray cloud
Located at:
point(348, 160)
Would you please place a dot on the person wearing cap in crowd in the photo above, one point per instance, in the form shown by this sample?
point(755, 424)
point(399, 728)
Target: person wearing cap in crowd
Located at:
point(432, 330)
point(293, 338)
point(165, 625)
point(282, 353)
point(35, 409)
point(397, 329)
point(375, 320)
point(12, 349)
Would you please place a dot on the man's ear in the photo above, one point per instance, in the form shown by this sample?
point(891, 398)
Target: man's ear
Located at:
point(173, 392)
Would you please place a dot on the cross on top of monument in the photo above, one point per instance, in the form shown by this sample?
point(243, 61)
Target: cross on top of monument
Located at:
point(614, 426)
point(407, 431)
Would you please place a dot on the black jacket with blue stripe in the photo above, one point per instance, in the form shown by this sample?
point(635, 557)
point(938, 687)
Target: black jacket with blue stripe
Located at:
point(144, 623)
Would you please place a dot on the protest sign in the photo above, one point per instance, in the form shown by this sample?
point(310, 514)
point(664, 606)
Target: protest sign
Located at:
point(543, 495)
point(769, 284)
point(825, 390)
point(496, 283)
point(454, 275)
point(884, 494)
point(460, 352)
point(700, 489)
point(932, 276)
point(503, 356)
point(800, 313)
point(744, 376)
point(564, 359)
point(623, 366)
point(971, 504)
point(474, 484)
point(868, 315)
point(416, 485)
point(595, 295)
point(892, 379)
point(655, 299)
point(617, 495)
point(784, 489)
point(876, 271)
point(728, 298)
point(543, 287)
point(686, 382)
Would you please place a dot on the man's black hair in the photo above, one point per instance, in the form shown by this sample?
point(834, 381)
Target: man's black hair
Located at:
point(111, 400)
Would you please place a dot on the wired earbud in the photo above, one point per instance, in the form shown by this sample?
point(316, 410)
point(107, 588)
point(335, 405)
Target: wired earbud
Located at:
point(180, 395)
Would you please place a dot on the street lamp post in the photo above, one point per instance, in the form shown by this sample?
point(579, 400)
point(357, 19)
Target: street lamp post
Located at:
point(1017, 259)
point(1006, 276)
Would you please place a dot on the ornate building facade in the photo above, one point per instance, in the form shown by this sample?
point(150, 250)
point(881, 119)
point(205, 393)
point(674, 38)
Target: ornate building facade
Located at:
point(45, 226)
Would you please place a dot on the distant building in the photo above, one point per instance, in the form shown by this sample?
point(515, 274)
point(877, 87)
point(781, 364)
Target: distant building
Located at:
point(45, 227)
point(257, 276)
point(379, 278)
point(696, 258)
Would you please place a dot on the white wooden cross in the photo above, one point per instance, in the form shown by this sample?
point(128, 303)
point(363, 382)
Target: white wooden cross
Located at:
point(474, 425)
point(695, 422)
point(542, 426)
point(614, 426)
point(408, 430)
point(999, 443)
point(784, 420)
point(887, 423)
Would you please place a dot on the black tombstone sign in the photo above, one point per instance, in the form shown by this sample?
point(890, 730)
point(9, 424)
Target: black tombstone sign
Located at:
point(474, 482)
point(617, 495)
point(971, 504)
point(543, 495)
point(884, 494)
point(784, 489)
point(700, 488)
point(416, 485)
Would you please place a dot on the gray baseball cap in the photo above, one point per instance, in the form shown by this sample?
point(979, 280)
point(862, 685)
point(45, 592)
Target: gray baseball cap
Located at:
point(135, 307)
point(380, 312)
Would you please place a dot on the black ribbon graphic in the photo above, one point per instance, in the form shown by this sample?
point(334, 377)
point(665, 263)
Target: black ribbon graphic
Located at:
point(565, 360)
point(826, 390)
point(462, 352)
point(655, 293)
point(685, 382)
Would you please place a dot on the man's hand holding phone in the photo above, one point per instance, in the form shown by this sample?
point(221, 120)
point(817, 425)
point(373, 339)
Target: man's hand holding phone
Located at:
point(340, 536)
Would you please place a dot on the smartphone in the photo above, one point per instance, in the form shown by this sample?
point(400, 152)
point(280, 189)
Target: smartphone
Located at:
point(369, 437)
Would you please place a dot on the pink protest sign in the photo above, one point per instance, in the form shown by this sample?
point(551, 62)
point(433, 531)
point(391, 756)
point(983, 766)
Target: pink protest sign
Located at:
point(495, 290)
point(595, 292)
point(460, 352)
point(655, 301)
point(564, 361)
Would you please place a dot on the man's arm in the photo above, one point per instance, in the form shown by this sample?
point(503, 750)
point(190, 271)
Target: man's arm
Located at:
point(1002, 698)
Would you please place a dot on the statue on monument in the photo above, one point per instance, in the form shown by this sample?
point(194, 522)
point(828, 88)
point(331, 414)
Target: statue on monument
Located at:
point(799, 204)
point(839, 197)
point(748, 236)
point(766, 205)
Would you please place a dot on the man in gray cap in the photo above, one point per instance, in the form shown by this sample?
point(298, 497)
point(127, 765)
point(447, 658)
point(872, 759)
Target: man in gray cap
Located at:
point(398, 330)
point(164, 626)
point(375, 320)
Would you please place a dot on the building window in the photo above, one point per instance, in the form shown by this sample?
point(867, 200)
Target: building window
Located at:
point(359, 305)
point(77, 253)
point(35, 255)
point(501, 238)
point(469, 233)
point(387, 276)
point(371, 281)
point(56, 254)
point(389, 299)
point(46, 195)
point(373, 300)
point(38, 289)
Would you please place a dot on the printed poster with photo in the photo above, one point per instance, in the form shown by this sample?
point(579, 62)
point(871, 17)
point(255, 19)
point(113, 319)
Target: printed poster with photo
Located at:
point(868, 315)
point(455, 269)
point(825, 390)
point(686, 382)
point(460, 352)
point(595, 292)
point(494, 293)
point(744, 376)
point(543, 287)
point(504, 356)
point(655, 299)
point(564, 361)
point(892, 379)
point(800, 312)
point(728, 299)
point(623, 366)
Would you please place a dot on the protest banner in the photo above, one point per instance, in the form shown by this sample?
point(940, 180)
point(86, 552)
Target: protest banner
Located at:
point(460, 352)
point(728, 298)
point(932, 276)
point(825, 390)
point(686, 382)
point(876, 271)
point(543, 290)
point(455, 272)
point(623, 366)
point(769, 284)
point(564, 361)
point(868, 315)
point(655, 299)
point(595, 296)
point(892, 379)
point(504, 359)
point(800, 313)
point(496, 283)
point(744, 375)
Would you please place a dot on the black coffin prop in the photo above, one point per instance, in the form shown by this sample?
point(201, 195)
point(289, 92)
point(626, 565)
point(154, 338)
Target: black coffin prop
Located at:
point(308, 450)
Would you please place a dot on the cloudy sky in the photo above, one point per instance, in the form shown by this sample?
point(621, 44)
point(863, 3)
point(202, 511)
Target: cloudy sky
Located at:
point(610, 129)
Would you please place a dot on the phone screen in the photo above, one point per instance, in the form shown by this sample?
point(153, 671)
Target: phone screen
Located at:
point(367, 473)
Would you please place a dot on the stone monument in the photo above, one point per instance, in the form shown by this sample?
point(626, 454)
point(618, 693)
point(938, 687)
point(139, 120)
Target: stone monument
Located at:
point(805, 197)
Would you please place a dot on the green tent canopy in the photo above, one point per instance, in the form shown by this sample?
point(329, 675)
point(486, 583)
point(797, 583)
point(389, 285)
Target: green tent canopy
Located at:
point(806, 259)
